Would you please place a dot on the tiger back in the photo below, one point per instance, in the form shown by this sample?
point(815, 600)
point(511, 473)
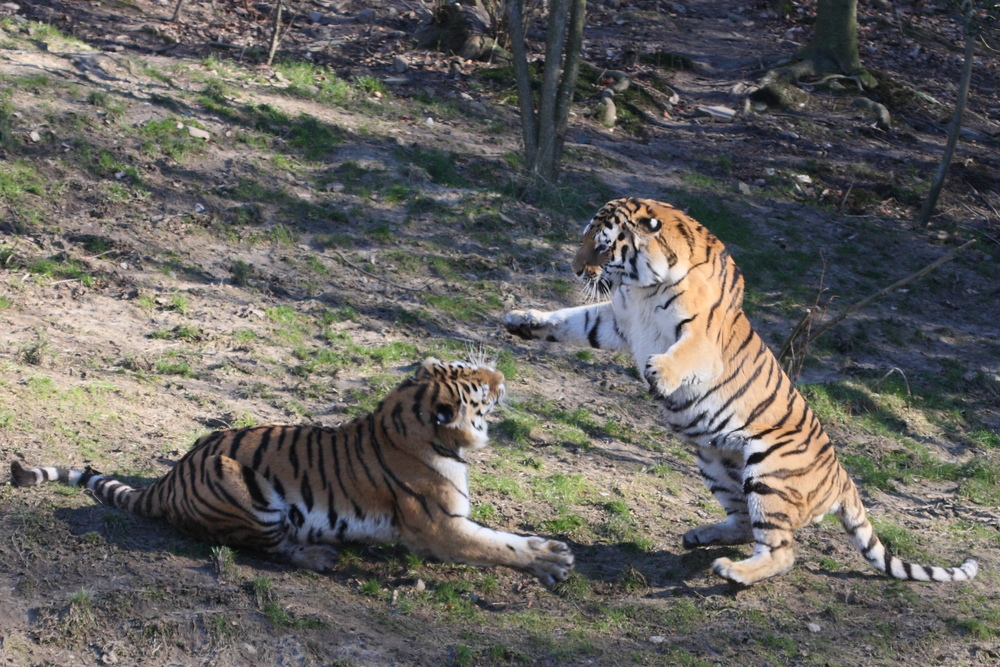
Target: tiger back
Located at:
point(677, 304)
point(292, 492)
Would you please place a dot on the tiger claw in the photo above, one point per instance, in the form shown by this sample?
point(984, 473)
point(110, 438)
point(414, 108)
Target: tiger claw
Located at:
point(522, 323)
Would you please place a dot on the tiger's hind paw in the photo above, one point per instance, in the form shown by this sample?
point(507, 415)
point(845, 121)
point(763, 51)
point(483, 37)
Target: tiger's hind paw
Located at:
point(317, 557)
point(755, 568)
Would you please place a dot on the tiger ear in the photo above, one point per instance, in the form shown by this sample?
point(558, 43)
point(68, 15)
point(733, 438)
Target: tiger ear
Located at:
point(426, 369)
point(443, 414)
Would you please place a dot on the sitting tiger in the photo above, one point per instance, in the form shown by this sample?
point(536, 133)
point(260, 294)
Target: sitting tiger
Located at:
point(677, 304)
point(398, 474)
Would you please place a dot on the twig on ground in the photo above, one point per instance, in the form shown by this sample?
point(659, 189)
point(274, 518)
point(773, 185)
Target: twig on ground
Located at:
point(878, 295)
point(347, 263)
point(892, 370)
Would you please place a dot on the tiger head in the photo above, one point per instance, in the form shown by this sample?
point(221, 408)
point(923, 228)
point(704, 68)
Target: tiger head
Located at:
point(455, 397)
point(637, 242)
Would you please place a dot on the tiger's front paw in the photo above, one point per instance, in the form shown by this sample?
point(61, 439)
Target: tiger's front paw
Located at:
point(553, 561)
point(526, 324)
point(660, 377)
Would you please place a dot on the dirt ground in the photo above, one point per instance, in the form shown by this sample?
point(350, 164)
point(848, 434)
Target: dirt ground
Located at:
point(154, 285)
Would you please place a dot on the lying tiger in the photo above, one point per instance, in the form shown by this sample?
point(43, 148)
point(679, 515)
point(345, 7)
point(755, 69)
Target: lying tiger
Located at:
point(677, 304)
point(291, 492)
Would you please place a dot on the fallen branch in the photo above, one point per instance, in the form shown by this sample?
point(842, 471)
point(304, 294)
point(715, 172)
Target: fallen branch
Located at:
point(418, 290)
point(866, 301)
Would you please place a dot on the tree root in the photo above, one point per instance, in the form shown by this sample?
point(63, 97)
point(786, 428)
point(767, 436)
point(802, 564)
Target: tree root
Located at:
point(883, 120)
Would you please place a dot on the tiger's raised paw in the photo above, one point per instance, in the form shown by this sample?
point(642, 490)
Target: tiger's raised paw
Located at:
point(525, 324)
point(660, 377)
point(553, 560)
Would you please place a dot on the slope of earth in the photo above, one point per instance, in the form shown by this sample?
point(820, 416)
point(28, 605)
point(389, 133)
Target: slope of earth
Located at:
point(192, 240)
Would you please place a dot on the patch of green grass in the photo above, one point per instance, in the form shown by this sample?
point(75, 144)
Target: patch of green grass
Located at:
point(18, 178)
point(980, 481)
point(561, 488)
point(438, 164)
point(483, 513)
point(465, 308)
point(370, 85)
point(164, 138)
point(179, 332)
point(170, 364)
point(224, 561)
point(35, 352)
point(565, 524)
point(113, 107)
point(241, 272)
point(313, 82)
point(898, 540)
point(178, 302)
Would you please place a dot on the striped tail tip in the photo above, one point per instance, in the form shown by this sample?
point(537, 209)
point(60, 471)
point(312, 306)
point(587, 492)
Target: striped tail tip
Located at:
point(970, 568)
point(20, 476)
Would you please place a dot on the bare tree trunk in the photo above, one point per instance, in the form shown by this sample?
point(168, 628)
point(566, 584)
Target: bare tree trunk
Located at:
point(177, 11)
point(529, 133)
point(544, 128)
point(275, 33)
point(834, 46)
point(956, 124)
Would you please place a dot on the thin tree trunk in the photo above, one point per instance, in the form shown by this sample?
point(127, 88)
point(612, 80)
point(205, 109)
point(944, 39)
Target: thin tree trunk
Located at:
point(177, 10)
point(956, 123)
point(515, 17)
point(275, 33)
point(834, 45)
point(574, 44)
point(555, 40)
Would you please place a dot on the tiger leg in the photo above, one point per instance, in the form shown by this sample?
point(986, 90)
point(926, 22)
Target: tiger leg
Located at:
point(692, 360)
point(770, 516)
point(247, 511)
point(459, 540)
point(593, 326)
point(722, 473)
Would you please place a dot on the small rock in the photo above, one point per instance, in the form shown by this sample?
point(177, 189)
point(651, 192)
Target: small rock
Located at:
point(34, 136)
point(334, 187)
point(814, 627)
point(429, 121)
point(717, 113)
point(198, 133)
point(465, 96)
point(759, 182)
point(805, 179)
point(419, 586)
point(11, 7)
point(315, 17)
point(657, 639)
point(743, 188)
point(399, 64)
point(112, 47)
point(198, 208)
point(281, 77)
point(120, 175)
point(788, 135)
point(769, 171)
